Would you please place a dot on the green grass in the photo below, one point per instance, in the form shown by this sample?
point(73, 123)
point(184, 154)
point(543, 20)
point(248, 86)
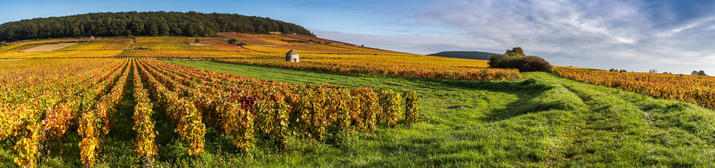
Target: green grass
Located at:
point(540, 121)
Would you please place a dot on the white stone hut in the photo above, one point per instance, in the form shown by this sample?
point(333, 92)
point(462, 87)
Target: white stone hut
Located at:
point(292, 56)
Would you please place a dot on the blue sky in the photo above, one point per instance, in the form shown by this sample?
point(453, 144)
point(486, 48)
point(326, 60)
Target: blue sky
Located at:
point(667, 35)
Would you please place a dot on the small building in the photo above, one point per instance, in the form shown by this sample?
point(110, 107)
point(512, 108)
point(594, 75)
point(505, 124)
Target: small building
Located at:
point(292, 56)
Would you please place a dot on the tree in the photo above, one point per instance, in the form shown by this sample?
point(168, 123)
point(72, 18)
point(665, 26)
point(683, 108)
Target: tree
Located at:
point(153, 30)
point(695, 72)
point(143, 24)
point(702, 73)
point(515, 58)
point(164, 29)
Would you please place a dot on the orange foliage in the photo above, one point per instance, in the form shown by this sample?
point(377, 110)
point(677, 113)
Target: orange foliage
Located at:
point(694, 89)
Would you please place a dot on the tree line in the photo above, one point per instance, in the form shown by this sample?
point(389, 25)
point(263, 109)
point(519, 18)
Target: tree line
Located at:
point(143, 24)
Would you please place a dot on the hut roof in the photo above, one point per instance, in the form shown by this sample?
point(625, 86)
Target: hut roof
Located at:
point(292, 52)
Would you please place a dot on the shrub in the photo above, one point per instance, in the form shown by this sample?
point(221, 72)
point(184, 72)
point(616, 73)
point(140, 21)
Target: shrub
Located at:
point(197, 40)
point(515, 58)
point(533, 63)
point(232, 41)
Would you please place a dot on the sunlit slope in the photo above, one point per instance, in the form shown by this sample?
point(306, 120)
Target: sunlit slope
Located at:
point(100, 47)
point(269, 48)
point(540, 121)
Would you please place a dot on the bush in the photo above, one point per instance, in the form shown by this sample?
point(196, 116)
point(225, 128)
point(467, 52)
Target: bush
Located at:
point(197, 40)
point(533, 63)
point(3, 44)
point(232, 41)
point(515, 58)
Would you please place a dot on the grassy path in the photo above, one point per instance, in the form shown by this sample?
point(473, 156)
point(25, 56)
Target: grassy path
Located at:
point(542, 121)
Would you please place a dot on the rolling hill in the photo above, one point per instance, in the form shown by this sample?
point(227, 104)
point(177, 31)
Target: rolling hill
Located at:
point(143, 24)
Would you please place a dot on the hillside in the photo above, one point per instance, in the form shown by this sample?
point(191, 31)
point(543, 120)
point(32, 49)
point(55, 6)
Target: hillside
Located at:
point(465, 54)
point(532, 119)
point(542, 120)
point(316, 53)
point(143, 24)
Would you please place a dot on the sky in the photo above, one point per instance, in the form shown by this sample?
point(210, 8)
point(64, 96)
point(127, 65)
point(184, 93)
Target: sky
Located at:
point(637, 35)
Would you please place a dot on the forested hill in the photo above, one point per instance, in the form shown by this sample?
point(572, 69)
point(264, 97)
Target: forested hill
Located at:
point(143, 24)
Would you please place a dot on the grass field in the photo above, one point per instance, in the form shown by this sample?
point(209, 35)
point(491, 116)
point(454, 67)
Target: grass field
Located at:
point(541, 121)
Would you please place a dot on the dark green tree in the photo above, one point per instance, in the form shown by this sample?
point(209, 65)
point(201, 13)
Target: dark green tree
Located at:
point(515, 58)
point(143, 24)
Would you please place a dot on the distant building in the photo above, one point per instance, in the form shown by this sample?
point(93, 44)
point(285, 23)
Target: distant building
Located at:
point(275, 32)
point(292, 56)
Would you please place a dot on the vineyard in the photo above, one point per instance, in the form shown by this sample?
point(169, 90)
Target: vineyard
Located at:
point(41, 106)
point(269, 50)
point(202, 102)
point(688, 88)
point(407, 68)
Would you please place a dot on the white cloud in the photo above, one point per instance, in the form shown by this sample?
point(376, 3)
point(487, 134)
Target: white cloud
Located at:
point(600, 34)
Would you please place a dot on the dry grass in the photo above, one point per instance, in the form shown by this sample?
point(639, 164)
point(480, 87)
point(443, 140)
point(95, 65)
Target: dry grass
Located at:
point(113, 43)
point(61, 54)
point(49, 47)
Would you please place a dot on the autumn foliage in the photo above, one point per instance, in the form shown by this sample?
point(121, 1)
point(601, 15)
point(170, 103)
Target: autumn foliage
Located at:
point(694, 89)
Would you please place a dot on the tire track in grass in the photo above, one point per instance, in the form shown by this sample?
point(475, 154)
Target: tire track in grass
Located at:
point(675, 133)
point(611, 133)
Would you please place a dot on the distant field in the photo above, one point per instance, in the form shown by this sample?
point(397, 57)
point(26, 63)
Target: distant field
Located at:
point(66, 48)
point(689, 88)
point(49, 47)
point(61, 54)
point(109, 43)
point(409, 66)
point(302, 44)
point(19, 46)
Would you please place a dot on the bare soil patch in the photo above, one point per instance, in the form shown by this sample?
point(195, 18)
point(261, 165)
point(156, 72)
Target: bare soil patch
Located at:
point(49, 47)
